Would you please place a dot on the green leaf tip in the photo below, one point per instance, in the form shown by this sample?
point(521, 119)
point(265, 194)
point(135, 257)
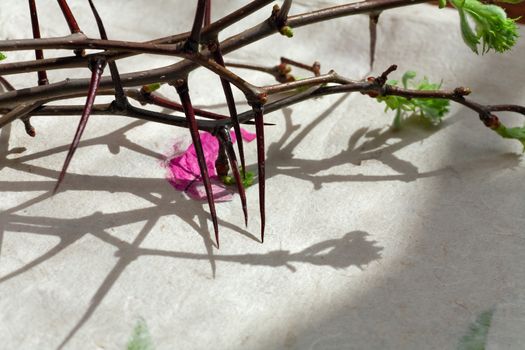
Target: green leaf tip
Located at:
point(429, 109)
point(493, 30)
point(512, 133)
point(287, 31)
point(2, 56)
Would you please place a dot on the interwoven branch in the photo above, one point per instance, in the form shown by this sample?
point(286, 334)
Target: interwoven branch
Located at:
point(199, 47)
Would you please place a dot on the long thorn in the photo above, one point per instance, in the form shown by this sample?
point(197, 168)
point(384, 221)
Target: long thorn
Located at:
point(373, 19)
point(228, 94)
point(183, 91)
point(259, 130)
point(225, 140)
point(39, 54)
point(97, 68)
point(120, 96)
point(192, 44)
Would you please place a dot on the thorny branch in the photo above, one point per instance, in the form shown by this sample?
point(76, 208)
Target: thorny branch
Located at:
point(199, 47)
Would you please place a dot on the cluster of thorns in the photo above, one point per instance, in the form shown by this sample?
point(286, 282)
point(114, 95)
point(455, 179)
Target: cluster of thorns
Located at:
point(198, 48)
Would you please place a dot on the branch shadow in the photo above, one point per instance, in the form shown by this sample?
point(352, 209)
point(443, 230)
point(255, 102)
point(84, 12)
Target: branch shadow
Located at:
point(353, 249)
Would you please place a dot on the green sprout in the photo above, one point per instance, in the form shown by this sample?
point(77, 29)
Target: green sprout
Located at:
point(247, 179)
point(151, 87)
point(287, 31)
point(493, 30)
point(430, 109)
point(2, 56)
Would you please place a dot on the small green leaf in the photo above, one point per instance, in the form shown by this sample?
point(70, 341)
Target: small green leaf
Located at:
point(430, 109)
point(2, 56)
point(442, 3)
point(409, 75)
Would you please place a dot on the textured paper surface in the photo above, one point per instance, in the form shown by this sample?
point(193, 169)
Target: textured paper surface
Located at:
point(375, 239)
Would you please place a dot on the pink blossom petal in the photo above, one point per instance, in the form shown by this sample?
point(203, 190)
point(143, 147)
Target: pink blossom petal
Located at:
point(220, 193)
point(184, 171)
point(248, 136)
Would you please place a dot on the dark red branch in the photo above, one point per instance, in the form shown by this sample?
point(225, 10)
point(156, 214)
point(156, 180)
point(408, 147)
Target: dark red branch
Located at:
point(39, 54)
point(68, 15)
point(120, 97)
point(192, 44)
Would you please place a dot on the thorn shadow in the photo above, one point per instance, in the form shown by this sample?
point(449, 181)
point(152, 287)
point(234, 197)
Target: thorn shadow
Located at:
point(353, 249)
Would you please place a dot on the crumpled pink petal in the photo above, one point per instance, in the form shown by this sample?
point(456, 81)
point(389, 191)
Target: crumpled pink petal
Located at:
point(184, 171)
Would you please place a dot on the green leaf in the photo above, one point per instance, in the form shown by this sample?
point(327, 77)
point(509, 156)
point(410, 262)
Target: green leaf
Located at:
point(442, 3)
point(2, 56)
point(429, 109)
point(140, 339)
point(469, 37)
point(493, 30)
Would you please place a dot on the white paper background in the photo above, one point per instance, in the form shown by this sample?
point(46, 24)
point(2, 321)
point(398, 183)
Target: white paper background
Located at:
point(375, 239)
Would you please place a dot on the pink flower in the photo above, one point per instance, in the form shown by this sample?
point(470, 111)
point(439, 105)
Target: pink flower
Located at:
point(184, 171)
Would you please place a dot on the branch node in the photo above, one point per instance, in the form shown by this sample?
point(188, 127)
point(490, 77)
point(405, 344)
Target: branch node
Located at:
point(461, 91)
point(381, 80)
point(30, 130)
point(490, 120)
point(279, 17)
point(97, 62)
